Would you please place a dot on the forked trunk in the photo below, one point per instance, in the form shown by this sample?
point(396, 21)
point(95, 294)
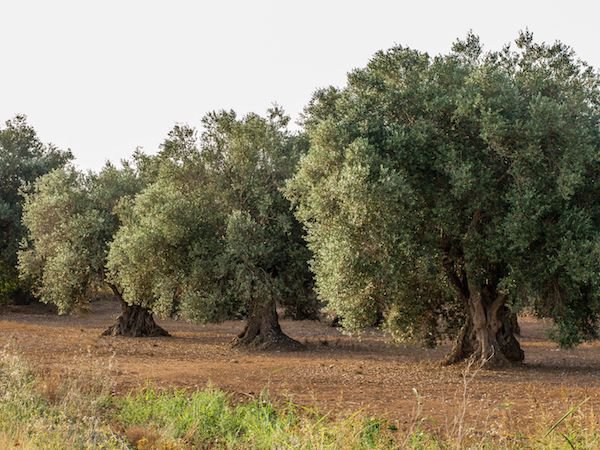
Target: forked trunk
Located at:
point(262, 330)
point(135, 321)
point(488, 334)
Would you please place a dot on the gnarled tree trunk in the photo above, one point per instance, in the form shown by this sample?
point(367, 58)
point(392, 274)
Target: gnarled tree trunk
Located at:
point(490, 326)
point(262, 330)
point(488, 333)
point(135, 321)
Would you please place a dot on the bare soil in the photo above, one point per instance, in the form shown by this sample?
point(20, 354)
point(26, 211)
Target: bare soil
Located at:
point(336, 374)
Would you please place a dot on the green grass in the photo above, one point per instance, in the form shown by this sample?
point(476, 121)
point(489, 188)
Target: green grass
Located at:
point(209, 418)
point(79, 411)
point(29, 420)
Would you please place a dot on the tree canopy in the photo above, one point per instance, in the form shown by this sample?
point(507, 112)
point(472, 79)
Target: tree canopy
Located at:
point(462, 186)
point(213, 237)
point(23, 158)
point(71, 220)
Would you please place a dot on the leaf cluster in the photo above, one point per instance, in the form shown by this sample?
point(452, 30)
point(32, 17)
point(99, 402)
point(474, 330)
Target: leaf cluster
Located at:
point(71, 220)
point(23, 158)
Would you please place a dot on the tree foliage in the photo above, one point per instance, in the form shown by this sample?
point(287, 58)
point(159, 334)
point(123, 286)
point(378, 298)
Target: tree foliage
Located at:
point(70, 220)
point(452, 186)
point(23, 158)
point(213, 237)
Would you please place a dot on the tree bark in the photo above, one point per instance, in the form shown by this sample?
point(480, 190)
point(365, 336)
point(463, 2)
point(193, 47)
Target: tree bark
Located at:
point(506, 336)
point(490, 327)
point(262, 330)
point(488, 333)
point(135, 321)
point(464, 345)
point(514, 323)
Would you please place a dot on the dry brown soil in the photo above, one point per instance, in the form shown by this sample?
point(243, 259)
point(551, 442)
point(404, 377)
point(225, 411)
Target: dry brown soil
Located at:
point(337, 374)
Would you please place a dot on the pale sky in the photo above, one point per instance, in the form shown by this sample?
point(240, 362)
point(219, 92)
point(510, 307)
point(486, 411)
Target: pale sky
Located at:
point(103, 77)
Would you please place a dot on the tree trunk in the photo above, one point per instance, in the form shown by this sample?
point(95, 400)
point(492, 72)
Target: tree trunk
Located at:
point(464, 345)
point(514, 323)
point(262, 330)
point(135, 321)
point(506, 336)
point(488, 333)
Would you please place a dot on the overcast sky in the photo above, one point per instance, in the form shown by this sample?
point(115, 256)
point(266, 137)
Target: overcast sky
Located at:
point(103, 77)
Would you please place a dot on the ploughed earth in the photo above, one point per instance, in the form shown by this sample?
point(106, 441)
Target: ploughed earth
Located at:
point(336, 374)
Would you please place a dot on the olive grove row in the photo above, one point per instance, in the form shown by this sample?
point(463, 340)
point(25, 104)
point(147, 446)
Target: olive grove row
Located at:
point(437, 196)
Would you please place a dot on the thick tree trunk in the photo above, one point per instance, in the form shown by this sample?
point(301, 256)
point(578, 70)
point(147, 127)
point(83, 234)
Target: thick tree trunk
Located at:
point(464, 345)
point(488, 334)
point(489, 330)
point(514, 323)
point(135, 321)
point(262, 330)
point(506, 336)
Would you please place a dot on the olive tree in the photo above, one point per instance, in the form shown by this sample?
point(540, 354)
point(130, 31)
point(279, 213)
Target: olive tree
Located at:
point(266, 259)
point(458, 187)
point(214, 236)
point(164, 254)
point(23, 158)
point(70, 218)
